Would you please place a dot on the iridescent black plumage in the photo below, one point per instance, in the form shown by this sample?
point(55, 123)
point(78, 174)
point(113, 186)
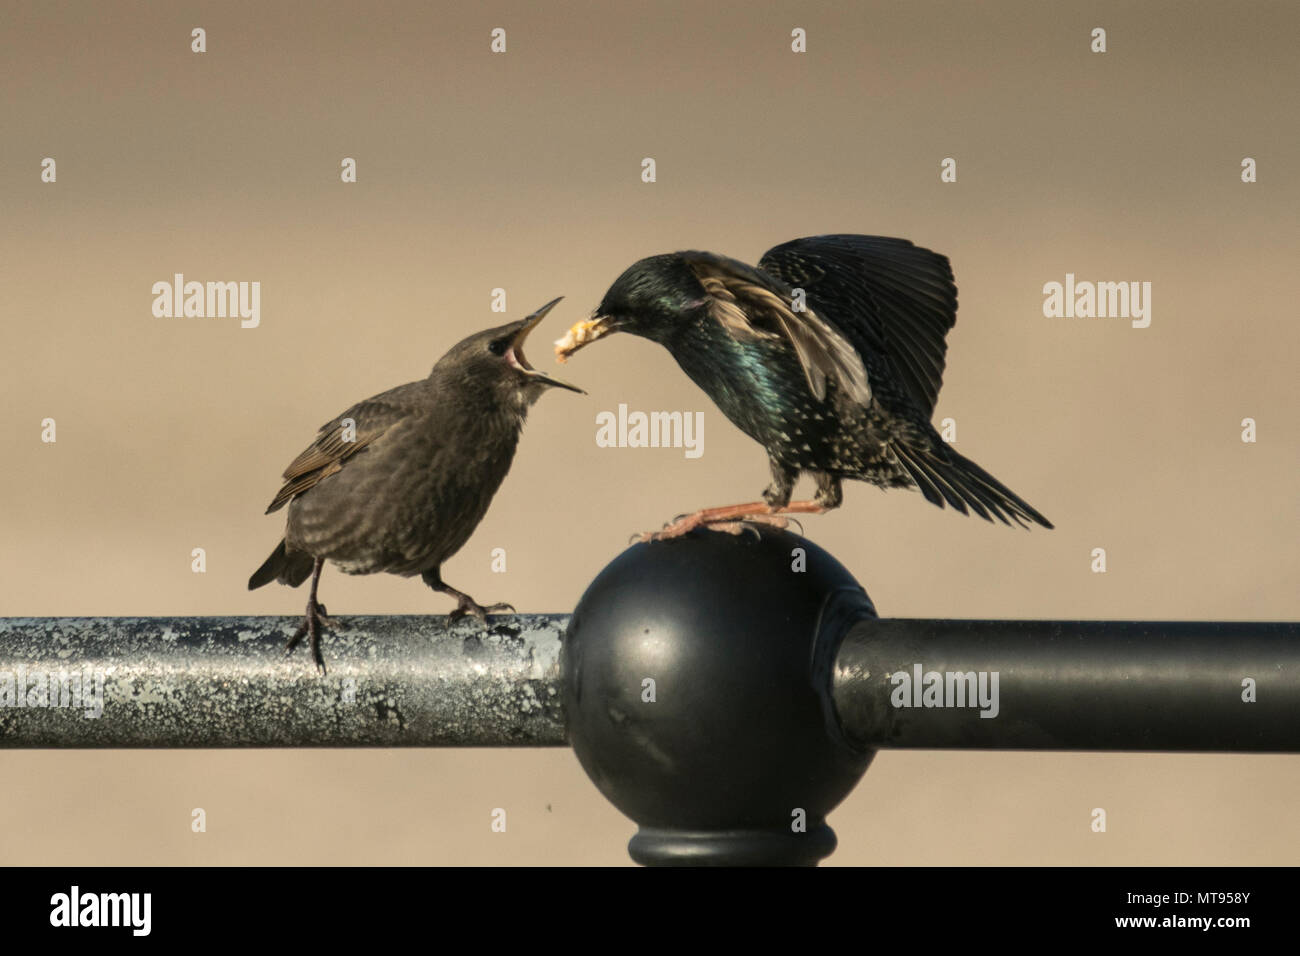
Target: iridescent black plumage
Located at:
point(830, 354)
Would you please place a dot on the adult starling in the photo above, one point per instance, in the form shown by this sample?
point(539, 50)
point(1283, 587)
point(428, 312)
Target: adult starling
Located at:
point(830, 354)
point(398, 482)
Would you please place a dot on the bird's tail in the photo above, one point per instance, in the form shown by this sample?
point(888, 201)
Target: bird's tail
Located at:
point(287, 567)
point(943, 475)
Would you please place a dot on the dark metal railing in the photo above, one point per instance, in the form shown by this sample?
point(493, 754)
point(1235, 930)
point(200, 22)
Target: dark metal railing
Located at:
point(424, 681)
point(714, 689)
point(1073, 685)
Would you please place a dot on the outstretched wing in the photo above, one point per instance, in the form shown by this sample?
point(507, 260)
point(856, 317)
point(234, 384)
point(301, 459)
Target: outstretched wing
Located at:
point(889, 297)
point(750, 305)
point(337, 441)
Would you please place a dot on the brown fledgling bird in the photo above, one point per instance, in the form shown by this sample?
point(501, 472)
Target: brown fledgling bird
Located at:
point(397, 483)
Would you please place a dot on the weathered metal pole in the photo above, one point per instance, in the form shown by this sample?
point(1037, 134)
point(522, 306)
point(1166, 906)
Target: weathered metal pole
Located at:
point(409, 681)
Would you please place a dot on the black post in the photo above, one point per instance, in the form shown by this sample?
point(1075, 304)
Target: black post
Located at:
point(697, 679)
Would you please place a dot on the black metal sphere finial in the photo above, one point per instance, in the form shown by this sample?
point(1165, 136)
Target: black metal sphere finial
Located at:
point(697, 695)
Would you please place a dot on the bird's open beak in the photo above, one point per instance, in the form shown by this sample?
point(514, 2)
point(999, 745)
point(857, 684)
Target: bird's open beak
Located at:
point(584, 333)
point(515, 354)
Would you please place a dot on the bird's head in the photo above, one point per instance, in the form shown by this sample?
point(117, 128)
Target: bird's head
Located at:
point(653, 299)
point(494, 358)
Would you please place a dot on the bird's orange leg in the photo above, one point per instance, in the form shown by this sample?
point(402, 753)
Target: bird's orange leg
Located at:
point(733, 518)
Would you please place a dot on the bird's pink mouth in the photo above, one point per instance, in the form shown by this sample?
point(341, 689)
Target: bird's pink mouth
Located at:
point(516, 359)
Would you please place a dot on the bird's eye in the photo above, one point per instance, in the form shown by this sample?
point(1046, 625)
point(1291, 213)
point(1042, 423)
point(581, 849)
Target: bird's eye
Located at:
point(497, 348)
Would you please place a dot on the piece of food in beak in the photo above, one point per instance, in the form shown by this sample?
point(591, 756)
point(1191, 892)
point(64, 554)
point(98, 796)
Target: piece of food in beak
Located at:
point(582, 333)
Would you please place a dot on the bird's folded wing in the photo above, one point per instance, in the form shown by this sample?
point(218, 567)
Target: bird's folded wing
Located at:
point(750, 306)
point(888, 296)
point(336, 442)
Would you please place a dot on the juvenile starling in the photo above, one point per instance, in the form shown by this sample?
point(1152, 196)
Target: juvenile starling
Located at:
point(398, 482)
point(830, 354)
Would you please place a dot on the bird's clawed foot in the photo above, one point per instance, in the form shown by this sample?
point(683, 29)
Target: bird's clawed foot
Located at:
point(315, 620)
point(735, 519)
point(468, 607)
point(746, 524)
point(730, 523)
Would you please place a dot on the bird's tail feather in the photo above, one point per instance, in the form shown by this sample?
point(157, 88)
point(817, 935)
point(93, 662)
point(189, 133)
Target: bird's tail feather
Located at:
point(291, 568)
point(942, 475)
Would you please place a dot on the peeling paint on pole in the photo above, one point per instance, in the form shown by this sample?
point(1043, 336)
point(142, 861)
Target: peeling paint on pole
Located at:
point(405, 681)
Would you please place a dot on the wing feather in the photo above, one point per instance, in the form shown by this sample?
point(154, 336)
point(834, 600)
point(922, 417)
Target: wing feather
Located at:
point(751, 306)
point(890, 298)
point(337, 442)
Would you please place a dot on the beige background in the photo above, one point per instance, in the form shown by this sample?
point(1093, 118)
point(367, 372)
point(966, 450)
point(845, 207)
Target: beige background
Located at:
point(522, 171)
